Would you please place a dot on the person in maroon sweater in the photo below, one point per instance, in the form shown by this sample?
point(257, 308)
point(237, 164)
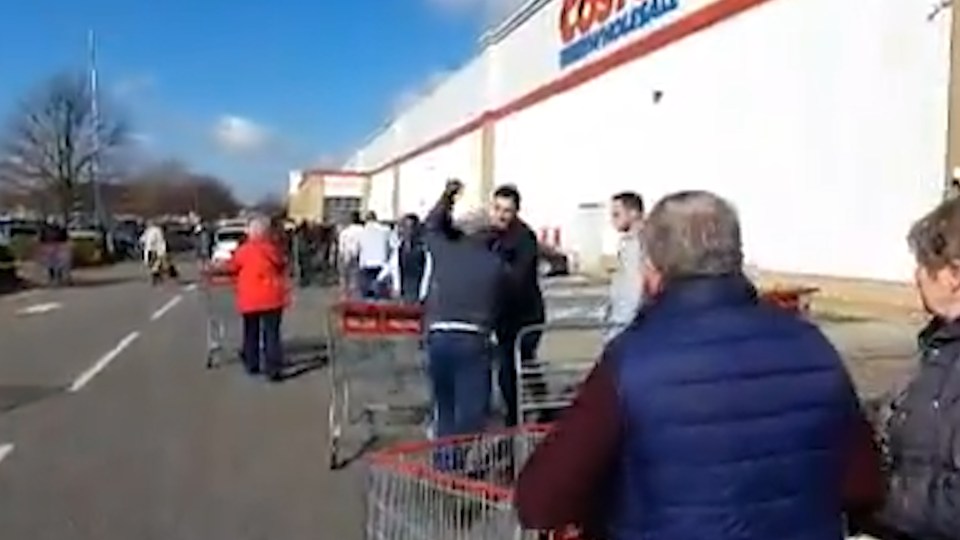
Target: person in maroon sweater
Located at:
point(566, 478)
point(709, 407)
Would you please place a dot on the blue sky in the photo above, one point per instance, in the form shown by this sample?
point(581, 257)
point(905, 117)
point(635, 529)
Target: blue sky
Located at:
point(245, 89)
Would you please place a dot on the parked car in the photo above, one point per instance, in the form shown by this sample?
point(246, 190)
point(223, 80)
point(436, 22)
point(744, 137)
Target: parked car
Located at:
point(8, 268)
point(180, 238)
point(225, 242)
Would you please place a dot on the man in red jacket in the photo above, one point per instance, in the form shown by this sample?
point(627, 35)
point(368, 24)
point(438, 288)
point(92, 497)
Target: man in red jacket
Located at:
point(262, 292)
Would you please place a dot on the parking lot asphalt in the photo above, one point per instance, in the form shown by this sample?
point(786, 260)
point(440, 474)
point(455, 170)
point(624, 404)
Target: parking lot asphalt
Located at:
point(111, 427)
point(152, 445)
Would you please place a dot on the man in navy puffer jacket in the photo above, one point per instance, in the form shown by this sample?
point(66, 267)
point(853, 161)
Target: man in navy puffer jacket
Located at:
point(713, 416)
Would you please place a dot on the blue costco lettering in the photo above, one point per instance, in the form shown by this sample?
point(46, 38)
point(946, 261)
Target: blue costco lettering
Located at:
point(624, 22)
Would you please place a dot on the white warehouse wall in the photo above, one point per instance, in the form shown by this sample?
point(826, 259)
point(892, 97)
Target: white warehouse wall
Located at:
point(381, 194)
point(423, 178)
point(824, 122)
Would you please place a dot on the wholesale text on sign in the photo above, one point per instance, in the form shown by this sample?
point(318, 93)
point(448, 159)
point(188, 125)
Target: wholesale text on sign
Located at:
point(587, 26)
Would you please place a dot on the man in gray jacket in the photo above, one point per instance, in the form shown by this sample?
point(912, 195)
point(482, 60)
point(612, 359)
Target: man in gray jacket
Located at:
point(626, 284)
point(462, 302)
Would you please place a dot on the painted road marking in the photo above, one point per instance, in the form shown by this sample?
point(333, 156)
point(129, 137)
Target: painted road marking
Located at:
point(190, 287)
point(5, 450)
point(172, 303)
point(37, 309)
point(103, 362)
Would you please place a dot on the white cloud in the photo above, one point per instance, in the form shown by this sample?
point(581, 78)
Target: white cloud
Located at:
point(142, 139)
point(133, 85)
point(234, 133)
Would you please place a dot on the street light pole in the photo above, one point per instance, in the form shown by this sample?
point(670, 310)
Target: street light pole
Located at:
point(95, 114)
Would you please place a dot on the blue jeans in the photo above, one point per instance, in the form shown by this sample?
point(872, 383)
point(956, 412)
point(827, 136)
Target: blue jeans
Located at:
point(370, 288)
point(458, 364)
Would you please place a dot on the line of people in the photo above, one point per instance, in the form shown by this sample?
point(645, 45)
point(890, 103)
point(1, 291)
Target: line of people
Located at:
point(714, 415)
point(477, 279)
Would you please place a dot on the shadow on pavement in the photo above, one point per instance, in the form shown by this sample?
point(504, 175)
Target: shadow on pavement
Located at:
point(301, 356)
point(18, 396)
point(92, 282)
point(7, 288)
point(304, 355)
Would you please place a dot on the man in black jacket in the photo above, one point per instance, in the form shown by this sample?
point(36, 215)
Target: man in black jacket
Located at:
point(516, 245)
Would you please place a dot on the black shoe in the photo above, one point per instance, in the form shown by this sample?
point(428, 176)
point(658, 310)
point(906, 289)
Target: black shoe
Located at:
point(275, 377)
point(252, 371)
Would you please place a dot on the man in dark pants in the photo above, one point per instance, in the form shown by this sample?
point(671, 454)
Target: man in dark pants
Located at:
point(516, 245)
point(465, 289)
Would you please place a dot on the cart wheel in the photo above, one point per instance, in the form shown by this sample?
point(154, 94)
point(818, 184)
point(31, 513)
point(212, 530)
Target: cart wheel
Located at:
point(334, 454)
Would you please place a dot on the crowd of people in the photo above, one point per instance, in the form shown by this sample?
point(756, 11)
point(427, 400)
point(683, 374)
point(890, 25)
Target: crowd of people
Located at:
point(709, 413)
point(477, 280)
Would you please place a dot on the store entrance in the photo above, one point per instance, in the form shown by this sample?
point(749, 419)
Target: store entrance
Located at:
point(337, 209)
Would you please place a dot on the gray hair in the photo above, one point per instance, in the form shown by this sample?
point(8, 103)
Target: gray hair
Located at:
point(258, 226)
point(473, 222)
point(693, 233)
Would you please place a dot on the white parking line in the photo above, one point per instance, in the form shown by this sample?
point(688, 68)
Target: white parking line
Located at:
point(37, 309)
point(166, 307)
point(103, 362)
point(190, 287)
point(5, 450)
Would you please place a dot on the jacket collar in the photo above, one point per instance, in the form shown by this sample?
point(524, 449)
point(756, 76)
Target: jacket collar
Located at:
point(692, 294)
point(937, 334)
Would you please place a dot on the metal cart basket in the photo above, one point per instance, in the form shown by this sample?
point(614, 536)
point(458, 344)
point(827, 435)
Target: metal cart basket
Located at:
point(218, 294)
point(570, 346)
point(457, 488)
point(376, 373)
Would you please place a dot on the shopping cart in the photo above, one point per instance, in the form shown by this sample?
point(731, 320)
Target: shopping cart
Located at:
point(458, 488)
point(570, 346)
point(791, 298)
point(376, 374)
point(547, 383)
point(222, 321)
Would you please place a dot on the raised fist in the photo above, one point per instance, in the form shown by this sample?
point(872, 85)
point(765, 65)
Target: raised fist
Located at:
point(453, 188)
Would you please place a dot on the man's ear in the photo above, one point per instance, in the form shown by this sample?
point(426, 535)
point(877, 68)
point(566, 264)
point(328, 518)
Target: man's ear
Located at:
point(951, 276)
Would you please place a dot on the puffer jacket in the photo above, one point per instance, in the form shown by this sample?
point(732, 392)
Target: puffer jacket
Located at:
point(922, 433)
point(737, 417)
point(261, 279)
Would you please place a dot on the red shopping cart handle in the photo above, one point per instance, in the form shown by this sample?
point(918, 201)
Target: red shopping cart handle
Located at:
point(789, 298)
point(378, 319)
point(388, 309)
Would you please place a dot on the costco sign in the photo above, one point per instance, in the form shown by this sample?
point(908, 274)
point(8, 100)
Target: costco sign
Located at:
point(587, 26)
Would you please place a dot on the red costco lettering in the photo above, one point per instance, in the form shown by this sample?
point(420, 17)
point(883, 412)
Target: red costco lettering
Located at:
point(579, 17)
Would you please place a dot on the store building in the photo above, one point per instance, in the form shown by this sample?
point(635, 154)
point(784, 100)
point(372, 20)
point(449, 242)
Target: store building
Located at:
point(317, 195)
point(824, 121)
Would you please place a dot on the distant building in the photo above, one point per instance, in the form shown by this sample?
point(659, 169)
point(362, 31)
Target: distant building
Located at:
point(318, 195)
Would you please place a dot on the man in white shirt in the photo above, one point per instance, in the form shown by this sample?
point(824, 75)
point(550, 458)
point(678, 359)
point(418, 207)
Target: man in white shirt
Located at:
point(348, 252)
point(154, 245)
point(626, 284)
point(374, 254)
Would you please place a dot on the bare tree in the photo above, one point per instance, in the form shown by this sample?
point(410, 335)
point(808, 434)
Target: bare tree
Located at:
point(170, 187)
point(54, 140)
